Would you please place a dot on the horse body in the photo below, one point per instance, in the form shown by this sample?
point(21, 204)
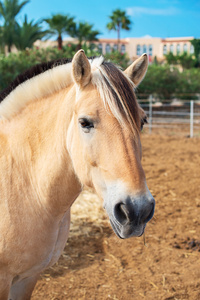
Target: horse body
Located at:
point(50, 149)
point(38, 186)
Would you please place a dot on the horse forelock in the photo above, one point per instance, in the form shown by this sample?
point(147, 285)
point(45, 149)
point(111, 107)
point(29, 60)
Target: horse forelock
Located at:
point(117, 93)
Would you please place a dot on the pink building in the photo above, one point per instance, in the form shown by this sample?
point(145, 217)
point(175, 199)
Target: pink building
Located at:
point(152, 46)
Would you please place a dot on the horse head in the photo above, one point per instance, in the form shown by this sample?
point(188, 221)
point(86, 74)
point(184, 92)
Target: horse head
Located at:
point(103, 140)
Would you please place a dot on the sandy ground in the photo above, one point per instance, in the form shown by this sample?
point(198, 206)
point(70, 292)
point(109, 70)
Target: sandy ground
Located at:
point(98, 265)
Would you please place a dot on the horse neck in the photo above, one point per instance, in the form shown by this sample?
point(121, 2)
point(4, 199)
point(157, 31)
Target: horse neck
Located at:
point(41, 128)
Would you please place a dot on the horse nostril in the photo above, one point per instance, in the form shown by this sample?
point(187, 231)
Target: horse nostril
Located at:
point(148, 217)
point(124, 212)
point(121, 213)
point(130, 211)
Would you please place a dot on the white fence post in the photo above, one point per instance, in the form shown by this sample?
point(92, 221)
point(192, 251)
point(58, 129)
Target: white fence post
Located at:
point(150, 113)
point(191, 117)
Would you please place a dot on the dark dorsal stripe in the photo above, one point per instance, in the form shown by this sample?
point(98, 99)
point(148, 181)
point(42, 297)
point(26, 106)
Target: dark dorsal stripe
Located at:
point(30, 73)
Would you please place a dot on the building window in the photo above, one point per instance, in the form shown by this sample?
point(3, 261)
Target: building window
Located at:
point(123, 48)
point(100, 48)
point(138, 50)
point(185, 48)
point(164, 49)
point(150, 50)
point(171, 48)
point(144, 49)
point(191, 49)
point(107, 48)
point(115, 47)
point(178, 49)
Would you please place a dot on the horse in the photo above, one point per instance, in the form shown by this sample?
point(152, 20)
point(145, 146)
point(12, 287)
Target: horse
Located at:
point(65, 126)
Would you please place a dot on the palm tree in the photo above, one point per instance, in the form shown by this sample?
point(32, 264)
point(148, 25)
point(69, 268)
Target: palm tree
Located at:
point(60, 24)
point(9, 9)
point(84, 32)
point(28, 33)
point(119, 20)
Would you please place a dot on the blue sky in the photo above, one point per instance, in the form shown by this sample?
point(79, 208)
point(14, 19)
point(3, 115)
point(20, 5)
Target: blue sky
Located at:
point(158, 18)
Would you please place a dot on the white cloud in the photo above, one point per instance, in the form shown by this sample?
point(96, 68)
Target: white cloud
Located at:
point(138, 10)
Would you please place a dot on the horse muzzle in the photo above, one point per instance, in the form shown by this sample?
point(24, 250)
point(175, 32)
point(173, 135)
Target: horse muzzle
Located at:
point(129, 217)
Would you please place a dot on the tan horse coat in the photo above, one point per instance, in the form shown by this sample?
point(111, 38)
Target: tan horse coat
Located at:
point(42, 171)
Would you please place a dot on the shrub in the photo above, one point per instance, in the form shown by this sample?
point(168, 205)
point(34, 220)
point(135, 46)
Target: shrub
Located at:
point(160, 81)
point(163, 82)
point(120, 59)
point(166, 82)
point(16, 63)
point(185, 60)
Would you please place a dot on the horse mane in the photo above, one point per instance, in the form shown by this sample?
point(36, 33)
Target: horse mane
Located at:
point(115, 88)
point(30, 73)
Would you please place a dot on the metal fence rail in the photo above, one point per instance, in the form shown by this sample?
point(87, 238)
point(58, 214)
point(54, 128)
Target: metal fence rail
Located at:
point(179, 117)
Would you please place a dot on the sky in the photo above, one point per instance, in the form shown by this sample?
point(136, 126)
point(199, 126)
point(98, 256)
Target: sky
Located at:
point(157, 18)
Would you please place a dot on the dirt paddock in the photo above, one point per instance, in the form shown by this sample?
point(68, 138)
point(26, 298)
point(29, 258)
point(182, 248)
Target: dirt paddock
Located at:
point(98, 265)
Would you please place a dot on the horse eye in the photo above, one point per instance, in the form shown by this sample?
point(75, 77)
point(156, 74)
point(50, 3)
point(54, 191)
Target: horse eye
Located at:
point(86, 124)
point(143, 121)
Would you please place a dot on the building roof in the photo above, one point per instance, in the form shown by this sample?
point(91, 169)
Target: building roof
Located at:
point(122, 41)
point(177, 39)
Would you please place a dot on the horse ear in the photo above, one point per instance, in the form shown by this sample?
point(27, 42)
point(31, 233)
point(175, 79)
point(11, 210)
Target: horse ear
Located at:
point(137, 70)
point(81, 69)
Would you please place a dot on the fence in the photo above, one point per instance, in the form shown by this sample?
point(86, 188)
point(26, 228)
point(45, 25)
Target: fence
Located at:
point(172, 117)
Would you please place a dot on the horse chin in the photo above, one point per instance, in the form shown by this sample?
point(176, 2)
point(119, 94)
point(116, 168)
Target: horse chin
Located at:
point(128, 230)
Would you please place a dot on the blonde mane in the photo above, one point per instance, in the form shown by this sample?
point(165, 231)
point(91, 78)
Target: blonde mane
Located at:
point(42, 85)
point(115, 89)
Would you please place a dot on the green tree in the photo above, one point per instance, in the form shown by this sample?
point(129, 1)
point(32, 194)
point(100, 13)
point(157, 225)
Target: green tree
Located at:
point(28, 33)
point(161, 81)
point(9, 9)
point(172, 59)
point(60, 24)
point(187, 61)
point(119, 20)
point(196, 44)
point(1, 40)
point(120, 59)
point(164, 82)
point(84, 32)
